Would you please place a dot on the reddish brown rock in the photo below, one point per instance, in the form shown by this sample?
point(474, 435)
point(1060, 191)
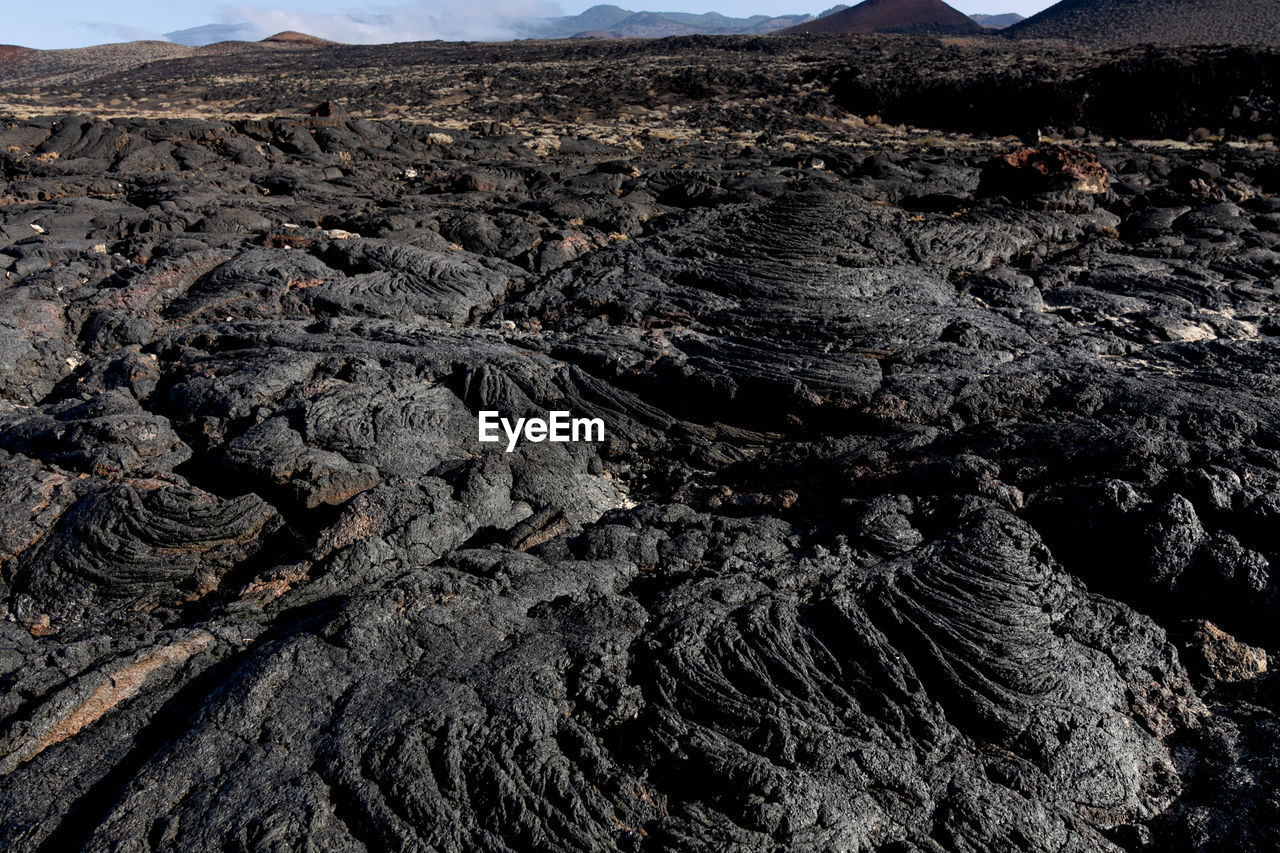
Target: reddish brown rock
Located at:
point(328, 109)
point(1222, 657)
point(1048, 169)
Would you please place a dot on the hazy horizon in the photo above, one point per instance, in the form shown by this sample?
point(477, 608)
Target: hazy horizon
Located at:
point(80, 23)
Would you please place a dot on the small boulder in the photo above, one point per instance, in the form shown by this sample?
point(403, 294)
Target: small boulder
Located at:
point(328, 109)
point(1048, 169)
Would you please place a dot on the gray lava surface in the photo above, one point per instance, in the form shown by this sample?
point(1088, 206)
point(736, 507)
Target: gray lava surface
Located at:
point(937, 508)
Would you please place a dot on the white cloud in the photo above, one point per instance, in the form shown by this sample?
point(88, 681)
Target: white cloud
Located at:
point(482, 20)
point(124, 32)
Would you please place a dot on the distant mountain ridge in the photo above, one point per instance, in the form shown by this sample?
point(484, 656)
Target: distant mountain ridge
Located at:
point(628, 24)
point(211, 34)
point(608, 21)
point(1120, 22)
point(998, 22)
point(902, 16)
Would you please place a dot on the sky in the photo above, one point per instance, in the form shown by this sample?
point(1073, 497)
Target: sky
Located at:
point(78, 23)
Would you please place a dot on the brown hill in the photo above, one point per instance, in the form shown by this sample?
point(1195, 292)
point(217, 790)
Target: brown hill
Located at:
point(11, 53)
point(25, 66)
point(1118, 22)
point(21, 66)
point(893, 16)
point(291, 37)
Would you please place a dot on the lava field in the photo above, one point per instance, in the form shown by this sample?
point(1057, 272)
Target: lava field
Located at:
point(936, 510)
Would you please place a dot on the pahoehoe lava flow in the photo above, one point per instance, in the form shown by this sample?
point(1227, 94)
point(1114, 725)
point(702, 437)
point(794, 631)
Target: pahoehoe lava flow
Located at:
point(936, 506)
